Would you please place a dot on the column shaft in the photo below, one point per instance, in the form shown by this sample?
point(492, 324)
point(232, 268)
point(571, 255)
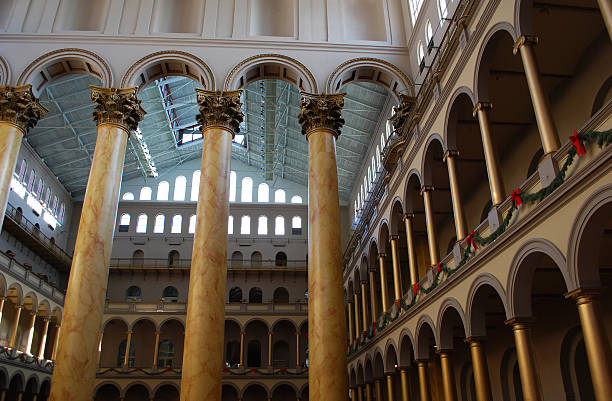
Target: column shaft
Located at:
point(242, 348)
point(412, 259)
point(431, 226)
point(397, 274)
point(350, 323)
point(526, 359)
point(357, 317)
point(156, 349)
point(28, 347)
point(481, 370)
point(539, 99)
point(43, 339)
point(10, 143)
point(2, 299)
point(494, 172)
point(423, 380)
point(368, 388)
point(405, 386)
point(364, 306)
point(100, 347)
point(373, 301)
point(383, 281)
point(359, 393)
point(378, 389)
point(453, 179)
point(605, 6)
point(128, 344)
point(390, 396)
point(220, 117)
point(270, 349)
point(14, 327)
point(448, 378)
point(117, 112)
point(297, 349)
point(56, 341)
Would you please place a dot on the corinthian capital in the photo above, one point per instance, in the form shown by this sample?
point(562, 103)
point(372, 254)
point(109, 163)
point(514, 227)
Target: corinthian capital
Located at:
point(401, 112)
point(321, 112)
point(219, 108)
point(117, 106)
point(19, 106)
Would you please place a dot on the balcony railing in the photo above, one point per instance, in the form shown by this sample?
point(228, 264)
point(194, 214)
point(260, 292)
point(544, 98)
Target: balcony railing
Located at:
point(25, 275)
point(143, 372)
point(232, 264)
point(181, 307)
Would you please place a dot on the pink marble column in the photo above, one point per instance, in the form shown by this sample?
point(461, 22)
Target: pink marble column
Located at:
point(321, 122)
point(19, 111)
point(220, 117)
point(117, 112)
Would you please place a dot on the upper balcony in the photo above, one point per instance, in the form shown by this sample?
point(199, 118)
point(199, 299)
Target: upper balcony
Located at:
point(157, 264)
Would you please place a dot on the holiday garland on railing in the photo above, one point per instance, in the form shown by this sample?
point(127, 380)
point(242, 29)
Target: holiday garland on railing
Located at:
point(12, 355)
point(139, 370)
point(242, 372)
point(473, 240)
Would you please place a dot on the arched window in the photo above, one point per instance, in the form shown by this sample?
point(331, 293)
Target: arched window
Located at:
point(31, 180)
point(355, 210)
point(281, 296)
point(47, 195)
point(235, 294)
point(232, 189)
point(280, 354)
point(415, 7)
point(296, 225)
point(39, 188)
point(255, 295)
point(170, 294)
point(158, 227)
point(246, 190)
point(131, 356)
point(262, 225)
point(232, 353)
point(141, 224)
point(256, 259)
point(263, 193)
point(230, 225)
point(382, 140)
point(254, 354)
point(177, 224)
point(279, 225)
point(428, 36)
point(128, 196)
point(296, 199)
point(124, 223)
point(174, 258)
point(180, 185)
point(377, 157)
point(369, 178)
point(62, 213)
point(281, 259)
point(237, 259)
point(162, 190)
point(54, 204)
point(442, 9)
point(145, 193)
point(133, 293)
point(165, 354)
point(22, 170)
point(138, 258)
point(195, 185)
point(373, 167)
point(192, 224)
point(245, 225)
point(420, 57)
point(279, 196)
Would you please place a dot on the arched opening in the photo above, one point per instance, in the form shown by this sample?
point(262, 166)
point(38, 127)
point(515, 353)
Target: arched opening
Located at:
point(137, 392)
point(280, 259)
point(254, 354)
point(281, 296)
point(374, 267)
point(255, 295)
point(165, 354)
point(174, 258)
point(398, 229)
point(256, 259)
point(256, 339)
point(170, 294)
point(384, 244)
point(235, 294)
point(172, 337)
point(133, 294)
point(415, 207)
point(107, 392)
point(166, 392)
point(237, 259)
point(229, 393)
point(284, 344)
point(284, 392)
point(115, 332)
point(143, 341)
point(138, 258)
point(232, 343)
point(255, 392)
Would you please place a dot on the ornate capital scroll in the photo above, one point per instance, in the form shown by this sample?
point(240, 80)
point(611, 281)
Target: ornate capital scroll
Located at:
point(19, 106)
point(117, 106)
point(401, 112)
point(220, 108)
point(321, 112)
point(525, 40)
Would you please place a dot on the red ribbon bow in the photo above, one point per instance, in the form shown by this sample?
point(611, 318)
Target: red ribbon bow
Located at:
point(283, 370)
point(577, 144)
point(374, 325)
point(225, 369)
point(439, 267)
point(415, 289)
point(516, 198)
point(253, 369)
point(470, 240)
point(399, 305)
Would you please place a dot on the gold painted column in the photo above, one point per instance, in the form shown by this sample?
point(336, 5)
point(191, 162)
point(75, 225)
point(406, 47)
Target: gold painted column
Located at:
point(270, 334)
point(2, 299)
point(378, 388)
point(353, 394)
point(412, 259)
point(359, 393)
point(431, 224)
point(220, 117)
point(357, 317)
point(494, 172)
point(448, 377)
point(423, 380)
point(2, 395)
point(595, 340)
point(480, 368)
point(56, 341)
point(605, 6)
point(15, 326)
point(530, 381)
point(321, 121)
point(539, 99)
point(242, 348)
point(368, 389)
point(397, 274)
point(43, 339)
point(128, 344)
point(449, 158)
point(156, 348)
point(28, 347)
point(383, 281)
point(297, 349)
point(373, 301)
point(390, 396)
point(405, 386)
point(117, 113)
point(19, 111)
point(364, 305)
point(350, 323)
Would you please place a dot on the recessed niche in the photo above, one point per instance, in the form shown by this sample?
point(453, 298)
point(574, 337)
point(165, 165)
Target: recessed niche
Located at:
point(178, 16)
point(364, 20)
point(78, 15)
point(272, 18)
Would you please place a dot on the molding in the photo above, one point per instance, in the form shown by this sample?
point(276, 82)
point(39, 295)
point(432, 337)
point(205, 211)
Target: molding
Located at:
point(5, 72)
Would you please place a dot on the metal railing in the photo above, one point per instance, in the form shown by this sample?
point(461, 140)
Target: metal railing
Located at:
point(181, 307)
point(158, 263)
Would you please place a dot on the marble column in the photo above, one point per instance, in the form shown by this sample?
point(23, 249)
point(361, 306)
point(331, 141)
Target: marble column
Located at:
point(364, 305)
point(350, 323)
point(423, 379)
point(605, 6)
point(242, 348)
point(397, 274)
point(426, 192)
point(373, 300)
point(220, 117)
point(20, 110)
point(156, 349)
point(539, 99)
point(595, 340)
point(368, 389)
point(321, 121)
point(480, 368)
point(128, 345)
point(357, 317)
point(117, 112)
point(390, 396)
point(481, 110)
point(448, 377)
point(525, 355)
point(15, 326)
point(270, 334)
point(412, 259)
point(58, 329)
point(449, 158)
point(383, 281)
point(405, 384)
point(43, 339)
point(31, 325)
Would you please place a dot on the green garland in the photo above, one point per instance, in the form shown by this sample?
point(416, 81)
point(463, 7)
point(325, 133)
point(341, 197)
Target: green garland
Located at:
point(602, 138)
point(12, 355)
point(244, 372)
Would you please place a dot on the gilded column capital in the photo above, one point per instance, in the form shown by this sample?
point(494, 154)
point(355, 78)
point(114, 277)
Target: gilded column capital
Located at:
point(19, 106)
point(118, 106)
point(394, 237)
point(408, 216)
point(220, 109)
point(450, 153)
point(444, 352)
point(519, 323)
point(402, 111)
point(585, 295)
point(382, 255)
point(525, 40)
point(321, 112)
point(427, 188)
point(481, 106)
point(477, 340)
